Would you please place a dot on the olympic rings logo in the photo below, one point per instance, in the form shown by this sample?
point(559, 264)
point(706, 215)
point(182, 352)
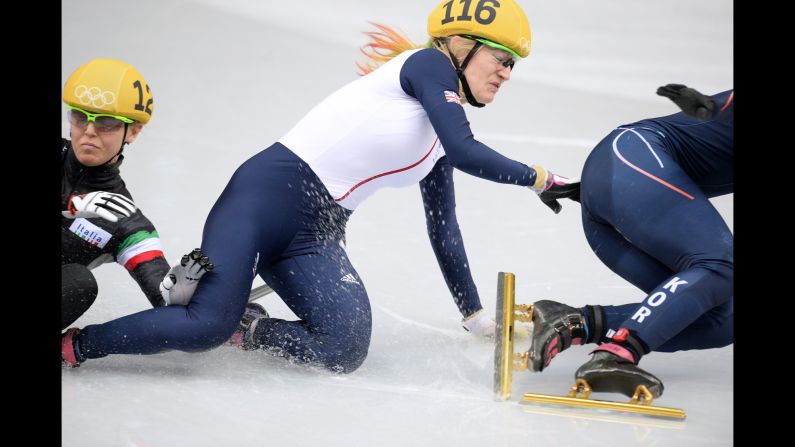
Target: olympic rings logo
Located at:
point(524, 44)
point(94, 96)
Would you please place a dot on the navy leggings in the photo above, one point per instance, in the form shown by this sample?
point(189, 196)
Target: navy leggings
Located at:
point(275, 219)
point(651, 224)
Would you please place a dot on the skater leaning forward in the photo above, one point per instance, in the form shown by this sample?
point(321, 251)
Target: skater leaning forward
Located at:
point(282, 215)
point(646, 215)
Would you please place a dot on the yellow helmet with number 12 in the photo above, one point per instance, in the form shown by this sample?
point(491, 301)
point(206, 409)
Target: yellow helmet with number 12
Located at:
point(112, 87)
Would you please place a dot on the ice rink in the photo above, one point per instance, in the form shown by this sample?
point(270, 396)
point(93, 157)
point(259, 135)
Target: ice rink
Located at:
point(230, 77)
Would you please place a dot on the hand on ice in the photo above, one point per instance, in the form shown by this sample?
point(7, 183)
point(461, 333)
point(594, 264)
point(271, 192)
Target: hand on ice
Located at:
point(480, 323)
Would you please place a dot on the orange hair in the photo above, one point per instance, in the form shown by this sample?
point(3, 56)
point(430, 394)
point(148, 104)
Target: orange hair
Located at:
point(383, 46)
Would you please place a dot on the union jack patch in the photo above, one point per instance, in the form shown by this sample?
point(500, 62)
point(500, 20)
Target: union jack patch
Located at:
point(451, 97)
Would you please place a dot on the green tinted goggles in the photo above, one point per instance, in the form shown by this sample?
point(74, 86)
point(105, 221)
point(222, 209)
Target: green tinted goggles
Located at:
point(103, 122)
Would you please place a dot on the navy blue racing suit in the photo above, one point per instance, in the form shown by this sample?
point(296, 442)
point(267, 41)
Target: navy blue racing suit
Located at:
point(277, 219)
point(646, 215)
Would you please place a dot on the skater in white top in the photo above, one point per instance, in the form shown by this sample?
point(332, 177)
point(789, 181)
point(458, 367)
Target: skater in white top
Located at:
point(283, 214)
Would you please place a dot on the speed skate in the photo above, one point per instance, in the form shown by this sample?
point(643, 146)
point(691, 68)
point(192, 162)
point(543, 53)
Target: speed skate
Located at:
point(506, 361)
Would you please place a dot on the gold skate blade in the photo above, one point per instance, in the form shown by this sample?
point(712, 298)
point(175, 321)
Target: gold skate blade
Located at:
point(580, 402)
point(503, 340)
point(613, 417)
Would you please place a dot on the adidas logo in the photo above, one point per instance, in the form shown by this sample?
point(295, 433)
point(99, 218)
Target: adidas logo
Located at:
point(349, 278)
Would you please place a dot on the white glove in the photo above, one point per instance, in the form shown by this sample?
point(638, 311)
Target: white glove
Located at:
point(181, 281)
point(480, 323)
point(106, 205)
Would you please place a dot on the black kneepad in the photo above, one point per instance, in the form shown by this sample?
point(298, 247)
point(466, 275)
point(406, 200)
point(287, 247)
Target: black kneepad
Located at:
point(78, 292)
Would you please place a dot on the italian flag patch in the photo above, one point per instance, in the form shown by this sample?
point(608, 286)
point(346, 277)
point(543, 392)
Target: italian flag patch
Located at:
point(139, 247)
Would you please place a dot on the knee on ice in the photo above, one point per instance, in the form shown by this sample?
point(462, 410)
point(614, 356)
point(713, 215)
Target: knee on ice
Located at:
point(345, 362)
point(347, 355)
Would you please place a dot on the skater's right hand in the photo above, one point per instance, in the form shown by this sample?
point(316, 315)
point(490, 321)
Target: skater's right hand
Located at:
point(181, 281)
point(480, 323)
point(107, 205)
point(551, 187)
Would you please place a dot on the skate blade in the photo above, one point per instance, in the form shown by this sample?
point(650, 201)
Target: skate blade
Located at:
point(503, 340)
point(613, 417)
point(578, 397)
point(259, 292)
point(506, 332)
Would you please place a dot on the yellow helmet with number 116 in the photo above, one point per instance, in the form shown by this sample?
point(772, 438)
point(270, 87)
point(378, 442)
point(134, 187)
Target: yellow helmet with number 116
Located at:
point(497, 23)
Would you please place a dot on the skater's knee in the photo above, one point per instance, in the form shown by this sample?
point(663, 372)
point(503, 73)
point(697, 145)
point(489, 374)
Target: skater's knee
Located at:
point(348, 353)
point(345, 362)
point(77, 282)
point(722, 268)
point(210, 332)
point(719, 262)
point(724, 273)
point(78, 292)
point(348, 341)
point(721, 277)
point(722, 318)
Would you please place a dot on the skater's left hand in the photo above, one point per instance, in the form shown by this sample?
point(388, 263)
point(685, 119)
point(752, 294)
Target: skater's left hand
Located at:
point(550, 187)
point(690, 100)
point(480, 323)
point(181, 281)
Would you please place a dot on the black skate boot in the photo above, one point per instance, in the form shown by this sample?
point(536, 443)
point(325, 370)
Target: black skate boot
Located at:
point(613, 369)
point(242, 336)
point(557, 326)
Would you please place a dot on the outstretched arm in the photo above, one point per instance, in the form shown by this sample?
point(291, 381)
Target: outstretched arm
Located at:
point(438, 197)
point(428, 77)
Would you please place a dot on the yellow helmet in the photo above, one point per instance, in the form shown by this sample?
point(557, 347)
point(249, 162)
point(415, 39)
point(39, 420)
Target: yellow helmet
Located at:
point(497, 23)
point(112, 87)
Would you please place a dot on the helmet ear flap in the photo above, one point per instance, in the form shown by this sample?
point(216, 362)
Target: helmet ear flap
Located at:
point(112, 87)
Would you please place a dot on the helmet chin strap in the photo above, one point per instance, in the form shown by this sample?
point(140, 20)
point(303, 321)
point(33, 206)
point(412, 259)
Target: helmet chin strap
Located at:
point(460, 72)
point(121, 149)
